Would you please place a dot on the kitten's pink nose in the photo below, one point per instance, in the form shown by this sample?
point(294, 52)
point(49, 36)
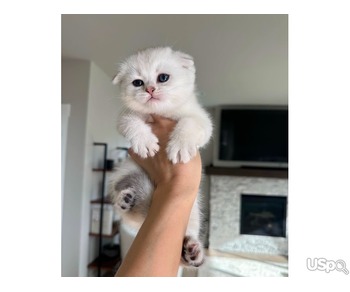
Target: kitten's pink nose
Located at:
point(150, 89)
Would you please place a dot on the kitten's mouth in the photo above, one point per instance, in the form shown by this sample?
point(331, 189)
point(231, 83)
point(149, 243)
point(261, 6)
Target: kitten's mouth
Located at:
point(152, 99)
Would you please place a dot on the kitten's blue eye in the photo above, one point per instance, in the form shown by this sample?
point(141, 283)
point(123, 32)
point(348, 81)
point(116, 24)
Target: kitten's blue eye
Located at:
point(163, 77)
point(137, 83)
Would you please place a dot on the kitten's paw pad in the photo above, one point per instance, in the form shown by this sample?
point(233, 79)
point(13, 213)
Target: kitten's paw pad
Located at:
point(181, 151)
point(192, 252)
point(126, 199)
point(145, 147)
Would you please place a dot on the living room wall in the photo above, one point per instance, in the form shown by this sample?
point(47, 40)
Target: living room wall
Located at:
point(94, 110)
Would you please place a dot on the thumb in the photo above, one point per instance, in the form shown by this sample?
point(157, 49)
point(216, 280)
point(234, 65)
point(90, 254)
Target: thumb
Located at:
point(133, 155)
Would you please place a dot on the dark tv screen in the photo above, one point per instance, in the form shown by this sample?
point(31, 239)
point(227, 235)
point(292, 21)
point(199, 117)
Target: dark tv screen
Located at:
point(254, 135)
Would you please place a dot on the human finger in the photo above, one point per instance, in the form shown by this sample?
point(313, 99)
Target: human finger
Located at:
point(157, 119)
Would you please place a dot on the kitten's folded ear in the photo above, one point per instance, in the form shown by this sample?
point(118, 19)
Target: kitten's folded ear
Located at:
point(186, 60)
point(117, 78)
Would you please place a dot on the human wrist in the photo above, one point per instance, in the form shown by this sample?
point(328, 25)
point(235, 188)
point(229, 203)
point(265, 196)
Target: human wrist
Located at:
point(176, 189)
point(180, 181)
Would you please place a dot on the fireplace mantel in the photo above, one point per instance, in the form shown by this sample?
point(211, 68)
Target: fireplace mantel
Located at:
point(247, 172)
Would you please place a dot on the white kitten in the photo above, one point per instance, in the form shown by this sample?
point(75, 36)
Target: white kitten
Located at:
point(159, 81)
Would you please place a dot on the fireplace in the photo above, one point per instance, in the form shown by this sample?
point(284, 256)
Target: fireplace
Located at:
point(248, 215)
point(263, 215)
point(248, 223)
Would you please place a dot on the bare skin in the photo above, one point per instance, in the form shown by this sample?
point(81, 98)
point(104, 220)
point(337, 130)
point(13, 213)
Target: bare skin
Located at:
point(156, 250)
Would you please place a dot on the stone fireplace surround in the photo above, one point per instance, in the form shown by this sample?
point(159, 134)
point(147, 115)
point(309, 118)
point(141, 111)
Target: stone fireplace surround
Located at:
point(234, 254)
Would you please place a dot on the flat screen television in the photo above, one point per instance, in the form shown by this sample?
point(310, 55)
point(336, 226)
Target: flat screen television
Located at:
point(251, 136)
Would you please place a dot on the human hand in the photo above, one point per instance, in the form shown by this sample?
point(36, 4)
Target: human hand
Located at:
point(160, 169)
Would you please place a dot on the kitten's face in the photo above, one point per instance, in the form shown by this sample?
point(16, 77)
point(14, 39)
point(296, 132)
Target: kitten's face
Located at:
point(156, 80)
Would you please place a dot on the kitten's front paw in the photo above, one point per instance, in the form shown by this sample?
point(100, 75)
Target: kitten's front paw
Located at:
point(145, 147)
point(126, 199)
point(181, 151)
point(192, 252)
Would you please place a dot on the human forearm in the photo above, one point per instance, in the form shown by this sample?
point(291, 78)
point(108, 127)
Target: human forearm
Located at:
point(156, 250)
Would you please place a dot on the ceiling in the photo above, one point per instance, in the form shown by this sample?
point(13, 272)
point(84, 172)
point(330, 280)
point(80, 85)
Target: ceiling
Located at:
point(241, 56)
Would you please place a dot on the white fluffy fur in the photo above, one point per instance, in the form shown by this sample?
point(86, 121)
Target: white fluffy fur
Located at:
point(175, 99)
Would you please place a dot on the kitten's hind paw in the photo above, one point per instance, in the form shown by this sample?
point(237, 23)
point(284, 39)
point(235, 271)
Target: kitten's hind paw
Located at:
point(126, 199)
point(192, 252)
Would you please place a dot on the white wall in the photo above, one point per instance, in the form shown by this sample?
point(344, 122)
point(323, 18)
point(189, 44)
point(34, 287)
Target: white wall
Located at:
point(65, 112)
point(75, 80)
point(94, 110)
point(103, 108)
point(241, 59)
